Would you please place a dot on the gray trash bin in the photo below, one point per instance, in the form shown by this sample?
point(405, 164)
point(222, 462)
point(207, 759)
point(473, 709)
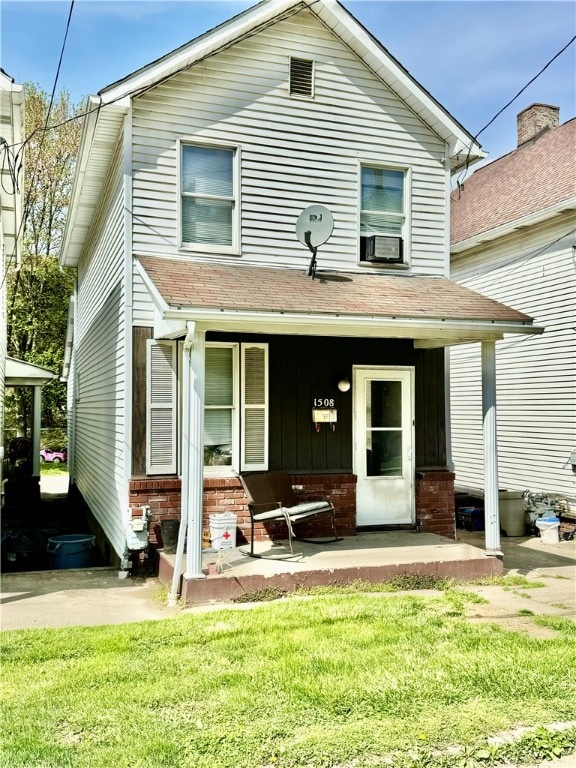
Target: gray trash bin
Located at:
point(511, 506)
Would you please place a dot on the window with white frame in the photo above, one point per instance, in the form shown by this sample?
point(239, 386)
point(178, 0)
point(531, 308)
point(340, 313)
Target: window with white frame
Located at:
point(383, 214)
point(220, 403)
point(235, 406)
point(208, 199)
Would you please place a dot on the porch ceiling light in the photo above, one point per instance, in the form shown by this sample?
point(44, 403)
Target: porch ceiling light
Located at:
point(343, 385)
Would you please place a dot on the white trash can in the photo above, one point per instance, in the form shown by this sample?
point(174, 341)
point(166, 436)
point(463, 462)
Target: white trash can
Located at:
point(511, 506)
point(223, 530)
point(549, 528)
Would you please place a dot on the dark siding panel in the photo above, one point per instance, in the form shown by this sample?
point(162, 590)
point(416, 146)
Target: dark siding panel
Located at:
point(430, 411)
point(139, 337)
point(305, 367)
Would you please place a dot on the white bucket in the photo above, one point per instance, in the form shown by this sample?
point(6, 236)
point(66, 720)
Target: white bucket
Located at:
point(549, 530)
point(223, 530)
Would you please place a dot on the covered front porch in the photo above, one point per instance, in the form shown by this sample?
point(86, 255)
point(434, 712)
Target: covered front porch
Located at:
point(373, 557)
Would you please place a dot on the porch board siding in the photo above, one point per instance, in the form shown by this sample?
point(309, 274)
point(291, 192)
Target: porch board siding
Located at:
point(98, 410)
point(294, 152)
point(140, 337)
point(302, 368)
point(430, 428)
point(536, 396)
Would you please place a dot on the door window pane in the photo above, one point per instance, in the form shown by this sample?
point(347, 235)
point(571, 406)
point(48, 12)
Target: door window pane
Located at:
point(383, 453)
point(384, 404)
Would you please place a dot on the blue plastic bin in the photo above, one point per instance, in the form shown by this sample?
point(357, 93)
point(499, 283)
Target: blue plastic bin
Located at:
point(71, 550)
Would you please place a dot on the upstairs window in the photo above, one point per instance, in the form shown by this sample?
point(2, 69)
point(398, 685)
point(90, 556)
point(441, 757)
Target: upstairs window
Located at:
point(383, 215)
point(301, 77)
point(208, 196)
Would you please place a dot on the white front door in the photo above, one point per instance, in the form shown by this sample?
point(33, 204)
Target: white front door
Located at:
point(383, 445)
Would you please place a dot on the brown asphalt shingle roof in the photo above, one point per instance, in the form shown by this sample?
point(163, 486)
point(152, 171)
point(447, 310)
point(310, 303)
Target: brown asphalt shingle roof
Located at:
point(536, 176)
point(197, 285)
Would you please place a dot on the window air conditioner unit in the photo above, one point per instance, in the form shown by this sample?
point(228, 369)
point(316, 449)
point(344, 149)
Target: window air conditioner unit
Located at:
point(380, 249)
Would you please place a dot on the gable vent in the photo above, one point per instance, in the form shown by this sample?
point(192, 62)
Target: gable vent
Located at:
point(301, 73)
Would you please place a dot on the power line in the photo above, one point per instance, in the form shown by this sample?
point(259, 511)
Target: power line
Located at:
point(505, 107)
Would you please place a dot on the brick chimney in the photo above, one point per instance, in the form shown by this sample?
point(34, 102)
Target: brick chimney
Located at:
point(536, 119)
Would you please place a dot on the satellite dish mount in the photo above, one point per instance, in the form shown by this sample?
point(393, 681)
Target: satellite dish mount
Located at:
point(314, 227)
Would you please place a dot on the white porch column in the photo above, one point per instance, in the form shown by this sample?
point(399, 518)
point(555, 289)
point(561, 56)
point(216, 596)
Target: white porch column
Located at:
point(491, 513)
point(36, 424)
point(193, 435)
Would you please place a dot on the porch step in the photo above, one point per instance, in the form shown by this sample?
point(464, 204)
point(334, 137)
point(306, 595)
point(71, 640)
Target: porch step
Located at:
point(371, 557)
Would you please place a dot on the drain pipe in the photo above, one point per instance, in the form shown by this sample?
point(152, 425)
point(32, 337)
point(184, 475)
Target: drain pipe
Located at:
point(176, 576)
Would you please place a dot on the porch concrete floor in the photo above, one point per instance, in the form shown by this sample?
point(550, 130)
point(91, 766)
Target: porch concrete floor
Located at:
point(369, 556)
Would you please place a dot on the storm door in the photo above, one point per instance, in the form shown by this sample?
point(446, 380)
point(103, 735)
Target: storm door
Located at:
point(383, 446)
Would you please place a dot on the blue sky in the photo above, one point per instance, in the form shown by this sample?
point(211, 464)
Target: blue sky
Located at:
point(473, 56)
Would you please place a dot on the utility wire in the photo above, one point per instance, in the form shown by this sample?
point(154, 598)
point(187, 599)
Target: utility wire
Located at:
point(463, 173)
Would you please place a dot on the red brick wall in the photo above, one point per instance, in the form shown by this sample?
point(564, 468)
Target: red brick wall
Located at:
point(435, 502)
point(226, 494)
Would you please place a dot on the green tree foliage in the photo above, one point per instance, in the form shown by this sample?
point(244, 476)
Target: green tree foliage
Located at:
point(39, 291)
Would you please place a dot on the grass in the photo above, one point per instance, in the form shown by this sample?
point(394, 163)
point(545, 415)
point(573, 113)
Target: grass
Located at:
point(508, 581)
point(49, 468)
point(346, 680)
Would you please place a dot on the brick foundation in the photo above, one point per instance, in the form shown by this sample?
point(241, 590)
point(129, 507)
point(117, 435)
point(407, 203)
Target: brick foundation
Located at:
point(435, 502)
point(226, 494)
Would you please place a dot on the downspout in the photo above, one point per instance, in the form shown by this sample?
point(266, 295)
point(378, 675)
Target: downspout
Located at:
point(191, 425)
point(128, 313)
point(447, 401)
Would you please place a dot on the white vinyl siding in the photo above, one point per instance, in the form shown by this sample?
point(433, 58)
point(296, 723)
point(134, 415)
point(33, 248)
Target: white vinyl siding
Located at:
point(536, 375)
point(99, 441)
point(161, 407)
point(295, 152)
point(142, 305)
point(254, 406)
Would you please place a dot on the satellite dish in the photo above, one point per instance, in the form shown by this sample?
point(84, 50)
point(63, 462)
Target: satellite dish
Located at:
point(314, 226)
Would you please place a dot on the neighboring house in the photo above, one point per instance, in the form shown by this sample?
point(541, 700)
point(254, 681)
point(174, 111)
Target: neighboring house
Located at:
point(11, 115)
point(202, 347)
point(14, 372)
point(514, 239)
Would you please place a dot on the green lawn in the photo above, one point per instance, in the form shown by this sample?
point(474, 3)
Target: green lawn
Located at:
point(329, 680)
point(49, 468)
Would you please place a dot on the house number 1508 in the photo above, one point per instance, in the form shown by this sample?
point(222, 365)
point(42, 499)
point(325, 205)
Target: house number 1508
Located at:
point(323, 402)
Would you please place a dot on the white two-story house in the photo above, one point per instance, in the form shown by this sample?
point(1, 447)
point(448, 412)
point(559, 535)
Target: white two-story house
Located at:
point(205, 342)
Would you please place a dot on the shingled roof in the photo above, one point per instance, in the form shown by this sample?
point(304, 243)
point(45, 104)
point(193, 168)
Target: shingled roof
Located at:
point(195, 285)
point(538, 175)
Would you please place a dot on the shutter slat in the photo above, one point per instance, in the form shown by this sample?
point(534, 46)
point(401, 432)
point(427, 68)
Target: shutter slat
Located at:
point(161, 408)
point(255, 407)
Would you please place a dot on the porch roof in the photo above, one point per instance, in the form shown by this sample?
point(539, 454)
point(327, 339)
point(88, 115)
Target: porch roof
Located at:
point(426, 307)
point(22, 374)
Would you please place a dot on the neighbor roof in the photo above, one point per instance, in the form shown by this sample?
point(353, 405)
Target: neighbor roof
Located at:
point(538, 176)
point(256, 289)
point(20, 373)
